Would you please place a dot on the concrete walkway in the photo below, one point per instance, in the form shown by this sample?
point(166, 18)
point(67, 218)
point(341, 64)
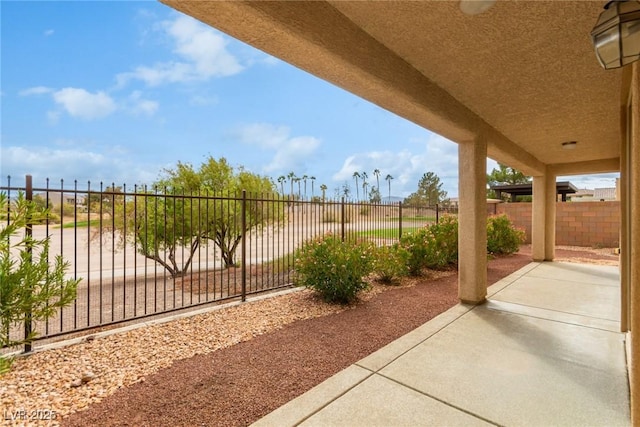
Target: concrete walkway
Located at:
point(545, 350)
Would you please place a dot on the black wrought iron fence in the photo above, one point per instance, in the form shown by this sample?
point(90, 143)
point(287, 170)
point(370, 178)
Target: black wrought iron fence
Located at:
point(144, 251)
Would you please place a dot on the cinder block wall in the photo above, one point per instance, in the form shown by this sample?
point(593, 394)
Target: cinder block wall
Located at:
point(589, 224)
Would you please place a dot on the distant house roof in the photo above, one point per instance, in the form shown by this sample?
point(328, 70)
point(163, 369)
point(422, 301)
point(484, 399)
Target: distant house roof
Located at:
point(583, 192)
point(604, 193)
point(563, 188)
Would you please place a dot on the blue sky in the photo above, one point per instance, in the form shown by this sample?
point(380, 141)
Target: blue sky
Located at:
point(118, 91)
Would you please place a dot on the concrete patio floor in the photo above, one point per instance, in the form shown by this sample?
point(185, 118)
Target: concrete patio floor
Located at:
point(545, 350)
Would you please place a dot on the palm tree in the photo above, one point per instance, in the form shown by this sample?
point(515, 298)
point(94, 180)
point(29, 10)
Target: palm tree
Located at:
point(364, 184)
point(356, 175)
point(388, 178)
point(304, 178)
point(312, 178)
point(291, 176)
point(296, 179)
point(323, 188)
point(281, 180)
point(376, 172)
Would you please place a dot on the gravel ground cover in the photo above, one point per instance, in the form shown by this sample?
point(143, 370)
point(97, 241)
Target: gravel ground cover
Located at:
point(230, 366)
point(68, 379)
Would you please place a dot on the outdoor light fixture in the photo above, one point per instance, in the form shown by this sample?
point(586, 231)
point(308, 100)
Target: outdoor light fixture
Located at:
point(475, 7)
point(569, 145)
point(616, 36)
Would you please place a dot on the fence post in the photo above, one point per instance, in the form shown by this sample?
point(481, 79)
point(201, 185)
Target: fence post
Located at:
point(342, 218)
point(243, 247)
point(437, 214)
point(399, 220)
point(28, 235)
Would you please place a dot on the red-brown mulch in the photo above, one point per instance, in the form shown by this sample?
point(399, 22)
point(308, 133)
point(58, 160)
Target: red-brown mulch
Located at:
point(238, 385)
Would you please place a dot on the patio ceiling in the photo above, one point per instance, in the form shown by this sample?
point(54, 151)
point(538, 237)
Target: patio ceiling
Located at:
point(523, 74)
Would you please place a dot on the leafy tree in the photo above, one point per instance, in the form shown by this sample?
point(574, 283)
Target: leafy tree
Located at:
point(40, 202)
point(224, 226)
point(429, 191)
point(346, 190)
point(374, 195)
point(504, 175)
point(105, 201)
point(31, 288)
point(170, 219)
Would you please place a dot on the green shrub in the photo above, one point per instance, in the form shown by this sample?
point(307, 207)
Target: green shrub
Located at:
point(502, 237)
point(333, 213)
point(434, 246)
point(390, 263)
point(443, 248)
point(415, 244)
point(330, 216)
point(68, 209)
point(333, 268)
point(31, 286)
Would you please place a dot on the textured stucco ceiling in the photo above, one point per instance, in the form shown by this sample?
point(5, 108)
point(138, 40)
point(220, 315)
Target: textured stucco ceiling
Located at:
point(522, 74)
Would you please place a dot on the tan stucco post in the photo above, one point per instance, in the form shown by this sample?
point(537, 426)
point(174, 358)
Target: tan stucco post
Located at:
point(551, 198)
point(625, 228)
point(633, 191)
point(538, 219)
point(472, 218)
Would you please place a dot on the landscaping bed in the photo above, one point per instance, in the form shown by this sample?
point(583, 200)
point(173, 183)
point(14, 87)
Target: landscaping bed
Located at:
point(234, 365)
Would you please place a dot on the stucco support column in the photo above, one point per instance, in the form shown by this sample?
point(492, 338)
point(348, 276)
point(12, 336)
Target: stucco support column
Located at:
point(538, 218)
point(551, 198)
point(633, 191)
point(625, 230)
point(472, 221)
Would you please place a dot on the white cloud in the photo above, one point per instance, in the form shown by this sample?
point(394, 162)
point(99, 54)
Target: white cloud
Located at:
point(436, 154)
point(264, 135)
point(48, 33)
point(202, 54)
point(37, 90)
point(603, 180)
point(85, 105)
point(203, 100)
point(294, 154)
point(290, 153)
point(250, 56)
point(140, 106)
point(82, 104)
point(271, 60)
point(53, 116)
point(593, 181)
point(71, 162)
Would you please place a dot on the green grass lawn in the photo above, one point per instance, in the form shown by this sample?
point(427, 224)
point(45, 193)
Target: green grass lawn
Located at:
point(413, 219)
point(80, 224)
point(386, 233)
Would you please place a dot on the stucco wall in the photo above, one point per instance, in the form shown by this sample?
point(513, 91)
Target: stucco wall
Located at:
point(590, 224)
